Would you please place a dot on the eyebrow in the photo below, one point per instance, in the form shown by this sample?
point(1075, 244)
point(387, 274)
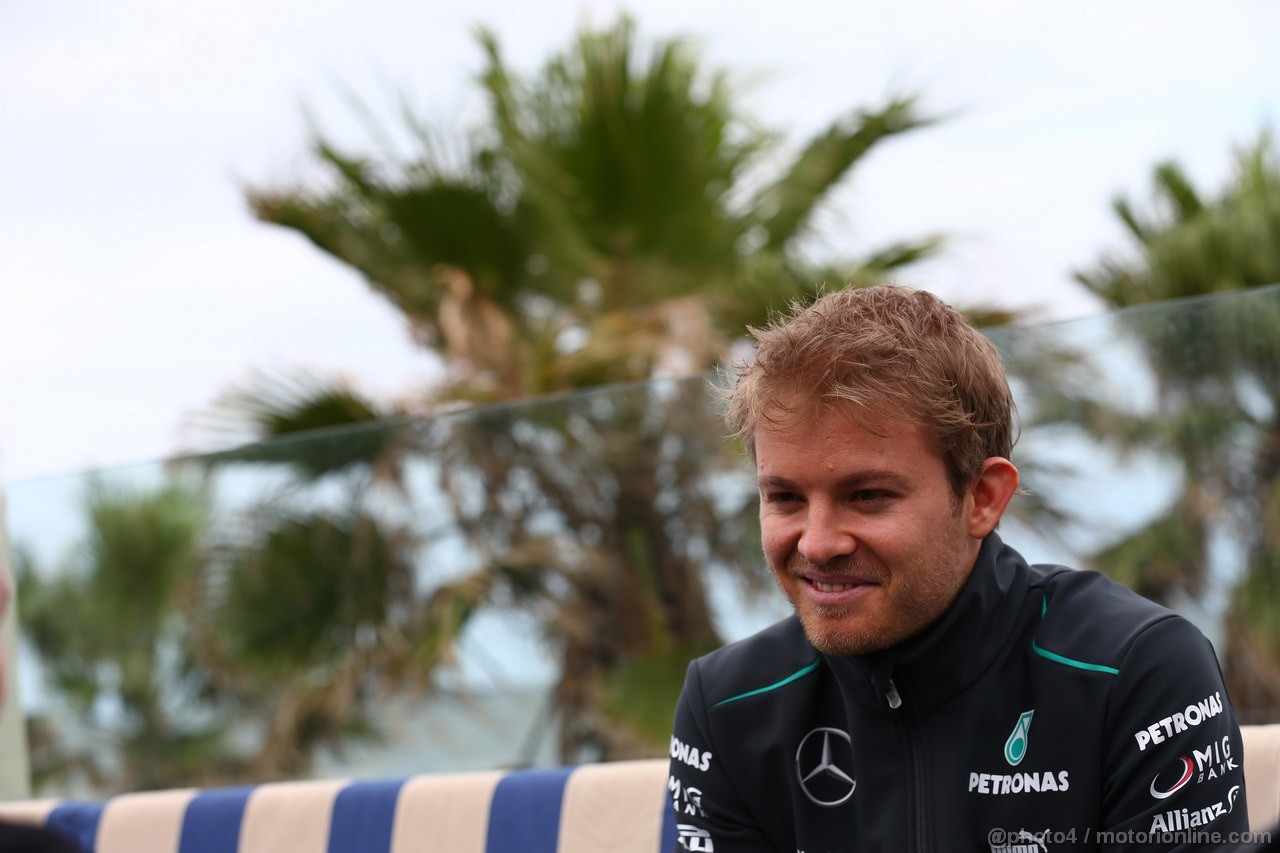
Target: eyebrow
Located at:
point(881, 477)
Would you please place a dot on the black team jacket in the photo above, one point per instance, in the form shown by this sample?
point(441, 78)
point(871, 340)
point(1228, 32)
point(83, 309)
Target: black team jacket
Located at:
point(1049, 709)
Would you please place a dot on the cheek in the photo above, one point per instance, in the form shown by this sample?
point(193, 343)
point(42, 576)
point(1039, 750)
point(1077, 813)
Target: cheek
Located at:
point(775, 540)
point(771, 548)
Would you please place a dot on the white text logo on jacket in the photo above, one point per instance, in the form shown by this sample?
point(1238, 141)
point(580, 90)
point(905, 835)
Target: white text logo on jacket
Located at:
point(1015, 749)
point(1188, 718)
point(1178, 819)
point(1202, 764)
point(690, 755)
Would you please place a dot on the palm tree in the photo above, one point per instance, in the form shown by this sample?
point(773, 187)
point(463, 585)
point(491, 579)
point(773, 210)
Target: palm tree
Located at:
point(308, 604)
point(297, 633)
point(113, 643)
point(1218, 411)
point(614, 220)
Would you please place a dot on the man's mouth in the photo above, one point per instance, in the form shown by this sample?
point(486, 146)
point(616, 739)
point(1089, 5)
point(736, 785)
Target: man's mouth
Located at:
point(831, 587)
point(835, 578)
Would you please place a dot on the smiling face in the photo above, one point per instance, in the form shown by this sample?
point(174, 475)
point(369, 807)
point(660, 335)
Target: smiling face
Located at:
point(862, 529)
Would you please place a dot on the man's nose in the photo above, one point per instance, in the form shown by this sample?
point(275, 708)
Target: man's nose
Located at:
point(825, 537)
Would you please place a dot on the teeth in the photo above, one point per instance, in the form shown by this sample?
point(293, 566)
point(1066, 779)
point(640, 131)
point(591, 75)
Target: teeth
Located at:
point(833, 587)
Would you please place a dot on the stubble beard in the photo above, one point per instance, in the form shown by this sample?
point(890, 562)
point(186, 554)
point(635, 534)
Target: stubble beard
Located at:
point(913, 598)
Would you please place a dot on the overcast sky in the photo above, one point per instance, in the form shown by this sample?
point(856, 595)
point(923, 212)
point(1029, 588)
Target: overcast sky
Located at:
point(136, 286)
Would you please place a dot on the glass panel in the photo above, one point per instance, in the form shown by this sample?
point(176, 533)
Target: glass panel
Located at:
point(524, 584)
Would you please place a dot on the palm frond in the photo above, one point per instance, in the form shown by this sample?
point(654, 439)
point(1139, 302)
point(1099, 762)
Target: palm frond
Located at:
point(313, 424)
point(790, 202)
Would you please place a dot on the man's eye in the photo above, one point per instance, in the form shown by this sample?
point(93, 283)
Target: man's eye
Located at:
point(781, 497)
point(870, 495)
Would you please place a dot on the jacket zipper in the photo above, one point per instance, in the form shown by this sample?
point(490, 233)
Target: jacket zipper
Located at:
point(894, 699)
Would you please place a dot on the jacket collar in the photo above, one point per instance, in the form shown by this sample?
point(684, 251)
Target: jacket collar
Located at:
point(955, 651)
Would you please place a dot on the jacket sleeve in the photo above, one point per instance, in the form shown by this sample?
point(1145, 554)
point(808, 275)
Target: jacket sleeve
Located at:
point(1172, 777)
point(711, 815)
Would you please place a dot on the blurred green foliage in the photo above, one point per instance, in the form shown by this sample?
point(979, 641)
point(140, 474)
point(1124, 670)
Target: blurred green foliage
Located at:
point(1217, 412)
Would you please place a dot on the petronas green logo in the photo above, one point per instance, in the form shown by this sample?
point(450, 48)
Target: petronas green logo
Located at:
point(1015, 748)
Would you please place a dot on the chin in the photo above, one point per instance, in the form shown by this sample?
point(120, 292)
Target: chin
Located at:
point(835, 639)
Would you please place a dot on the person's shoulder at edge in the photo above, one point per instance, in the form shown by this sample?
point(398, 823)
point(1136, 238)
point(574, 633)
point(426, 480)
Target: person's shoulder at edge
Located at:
point(760, 663)
point(1086, 617)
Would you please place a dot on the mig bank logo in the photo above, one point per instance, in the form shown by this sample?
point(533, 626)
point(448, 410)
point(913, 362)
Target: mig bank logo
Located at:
point(1015, 748)
point(1213, 761)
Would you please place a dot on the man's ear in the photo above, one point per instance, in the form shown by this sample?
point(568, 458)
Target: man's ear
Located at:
point(989, 494)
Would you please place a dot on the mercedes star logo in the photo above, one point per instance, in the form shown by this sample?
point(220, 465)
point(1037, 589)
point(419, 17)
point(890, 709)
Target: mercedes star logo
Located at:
point(818, 767)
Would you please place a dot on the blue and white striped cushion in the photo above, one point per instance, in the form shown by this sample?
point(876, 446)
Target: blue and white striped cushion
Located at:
point(620, 806)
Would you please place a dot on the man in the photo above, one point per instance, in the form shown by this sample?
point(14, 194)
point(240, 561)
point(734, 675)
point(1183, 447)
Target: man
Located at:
point(932, 690)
